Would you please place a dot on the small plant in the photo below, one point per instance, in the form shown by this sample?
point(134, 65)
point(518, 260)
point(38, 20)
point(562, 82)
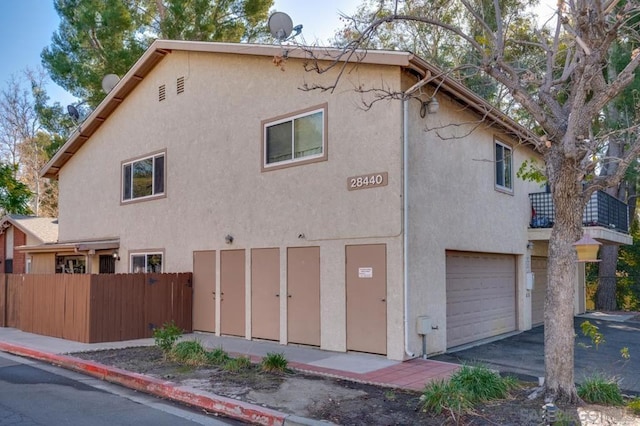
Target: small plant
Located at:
point(599, 390)
point(189, 352)
point(274, 363)
point(634, 406)
point(236, 365)
point(447, 396)
point(166, 336)
point(390, 395)
point(593, 332)
point(217, 357)
point(481, 384)
point(466, 387)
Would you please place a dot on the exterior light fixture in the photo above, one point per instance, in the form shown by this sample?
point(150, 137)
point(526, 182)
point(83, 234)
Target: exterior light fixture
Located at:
point(115, 255)
point(587, 249)
point(433, 106)
point(549, 414)
point(228, 239)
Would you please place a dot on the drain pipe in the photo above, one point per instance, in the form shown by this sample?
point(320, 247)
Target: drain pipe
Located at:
point(405, 193)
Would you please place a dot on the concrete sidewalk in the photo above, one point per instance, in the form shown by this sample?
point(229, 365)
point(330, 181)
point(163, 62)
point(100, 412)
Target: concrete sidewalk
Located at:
point(363, 368)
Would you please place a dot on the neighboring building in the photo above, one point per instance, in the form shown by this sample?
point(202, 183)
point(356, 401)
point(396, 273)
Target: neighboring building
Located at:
point(296, 210)
point(19, 230)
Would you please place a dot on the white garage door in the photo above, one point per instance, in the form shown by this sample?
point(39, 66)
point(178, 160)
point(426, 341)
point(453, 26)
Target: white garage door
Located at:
point(539, 268)
point(481, 296)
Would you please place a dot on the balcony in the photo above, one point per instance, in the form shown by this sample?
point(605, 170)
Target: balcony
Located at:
point(605, 217)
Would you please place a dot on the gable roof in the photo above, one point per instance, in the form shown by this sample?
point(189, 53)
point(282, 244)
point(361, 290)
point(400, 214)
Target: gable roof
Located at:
point(159, 49)
point(44, 229)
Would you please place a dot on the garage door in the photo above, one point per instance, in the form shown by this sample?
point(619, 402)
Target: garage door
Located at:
point(481, 296)
point(539, 268)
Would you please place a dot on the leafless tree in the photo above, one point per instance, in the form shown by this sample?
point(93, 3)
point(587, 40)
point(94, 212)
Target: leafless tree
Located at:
point(564, 92)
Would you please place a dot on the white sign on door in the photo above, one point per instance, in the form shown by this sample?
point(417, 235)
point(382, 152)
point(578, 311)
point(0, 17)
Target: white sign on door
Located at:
point(365, 272)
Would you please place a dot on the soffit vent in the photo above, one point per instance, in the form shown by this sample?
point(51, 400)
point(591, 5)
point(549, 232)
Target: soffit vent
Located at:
point(180, 85)
point(162, 93)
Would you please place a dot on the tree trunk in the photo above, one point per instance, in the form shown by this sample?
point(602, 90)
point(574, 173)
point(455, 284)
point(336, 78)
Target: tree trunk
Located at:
point(607, 282)
point(559, 331)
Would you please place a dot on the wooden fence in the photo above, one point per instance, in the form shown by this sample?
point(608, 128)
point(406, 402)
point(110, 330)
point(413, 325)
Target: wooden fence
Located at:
point(95, 308)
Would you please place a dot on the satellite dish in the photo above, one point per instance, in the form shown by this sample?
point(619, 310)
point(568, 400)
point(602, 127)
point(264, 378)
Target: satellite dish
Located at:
point(280, 25)
point(109, 82)
point(73, 112)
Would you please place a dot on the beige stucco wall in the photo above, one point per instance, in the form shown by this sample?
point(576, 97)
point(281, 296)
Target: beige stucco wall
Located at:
point(212, 137)
point(454, 206)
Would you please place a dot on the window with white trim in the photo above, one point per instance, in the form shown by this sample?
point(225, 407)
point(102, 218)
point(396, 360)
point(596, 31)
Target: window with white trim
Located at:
point(145, 263)
point(143, 178)
point(504, 167)
point(294, 139)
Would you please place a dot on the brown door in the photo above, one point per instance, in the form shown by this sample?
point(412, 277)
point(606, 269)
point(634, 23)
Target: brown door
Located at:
point(366, 280)
point(265, 293)
point(204, 291)
point(232, 283)
point(303, 303)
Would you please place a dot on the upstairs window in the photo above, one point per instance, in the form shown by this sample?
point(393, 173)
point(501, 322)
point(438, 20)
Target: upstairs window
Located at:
point(504, 167)
point(295, 139)
point(143, 178)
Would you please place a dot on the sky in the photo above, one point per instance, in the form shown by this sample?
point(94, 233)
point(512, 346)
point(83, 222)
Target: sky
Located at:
point(26, 28)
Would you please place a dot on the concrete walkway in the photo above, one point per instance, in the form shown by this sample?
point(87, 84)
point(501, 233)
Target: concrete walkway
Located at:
point(372, 369)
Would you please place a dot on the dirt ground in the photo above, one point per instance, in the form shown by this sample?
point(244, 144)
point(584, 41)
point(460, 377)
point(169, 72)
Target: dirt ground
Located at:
point(340, 401)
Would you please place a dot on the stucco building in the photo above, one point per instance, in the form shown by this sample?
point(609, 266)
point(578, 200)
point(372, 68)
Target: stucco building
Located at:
point(305, 217)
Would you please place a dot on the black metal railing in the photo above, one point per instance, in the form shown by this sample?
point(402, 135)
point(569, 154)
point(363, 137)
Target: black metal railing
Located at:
point(601, 210)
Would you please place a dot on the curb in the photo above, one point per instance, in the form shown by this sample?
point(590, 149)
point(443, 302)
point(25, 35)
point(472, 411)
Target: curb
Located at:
point(208, 401)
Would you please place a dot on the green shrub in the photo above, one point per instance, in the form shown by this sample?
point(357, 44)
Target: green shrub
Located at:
point(274, 363)
point(466, 387)
point(634, 406)
point(599, 390)
point(166, 336)
point(447, 396)
point(189, 352)
point(236, 365)
point(481, 384)
point(217, 357)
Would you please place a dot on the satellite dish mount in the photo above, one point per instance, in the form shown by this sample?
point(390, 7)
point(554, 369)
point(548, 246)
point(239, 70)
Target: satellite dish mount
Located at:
point(281, 27)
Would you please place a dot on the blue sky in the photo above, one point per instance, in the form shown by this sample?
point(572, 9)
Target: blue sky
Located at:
point(26, 27)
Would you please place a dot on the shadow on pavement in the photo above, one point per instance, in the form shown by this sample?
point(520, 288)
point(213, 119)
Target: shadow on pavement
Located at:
point(523, 354)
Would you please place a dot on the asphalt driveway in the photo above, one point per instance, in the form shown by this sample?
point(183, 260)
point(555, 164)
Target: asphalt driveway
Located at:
point(523, 354)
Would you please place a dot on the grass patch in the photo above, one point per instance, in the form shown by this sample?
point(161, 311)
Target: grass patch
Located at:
point(481, 384)
point(236, 365)
point(466, 387)
point(446, 396)
point(599, 390)
point(189, 352)
point(274, 363)
point(634, 406)
point(217, 357)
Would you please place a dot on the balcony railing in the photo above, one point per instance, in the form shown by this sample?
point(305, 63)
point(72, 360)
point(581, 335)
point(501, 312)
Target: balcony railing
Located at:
point(601, 210)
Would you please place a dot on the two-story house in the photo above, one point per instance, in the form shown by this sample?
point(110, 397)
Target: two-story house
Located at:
point(304, 216)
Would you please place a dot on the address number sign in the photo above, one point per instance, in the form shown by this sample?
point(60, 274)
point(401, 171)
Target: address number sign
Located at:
point(371, 180)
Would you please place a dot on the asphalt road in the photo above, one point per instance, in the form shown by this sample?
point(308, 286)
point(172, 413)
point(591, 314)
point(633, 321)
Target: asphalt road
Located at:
point(33, 393)
point(523, 354)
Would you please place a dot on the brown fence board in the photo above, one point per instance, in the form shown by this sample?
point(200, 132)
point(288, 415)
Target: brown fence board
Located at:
point(3, 300)
point(14, 297)
point(95, 308)
point(76, 308)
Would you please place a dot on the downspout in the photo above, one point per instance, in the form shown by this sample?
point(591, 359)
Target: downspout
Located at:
point(405, 193)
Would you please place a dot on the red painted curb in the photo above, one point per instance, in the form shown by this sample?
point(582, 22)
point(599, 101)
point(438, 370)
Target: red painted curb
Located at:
point(164, 389)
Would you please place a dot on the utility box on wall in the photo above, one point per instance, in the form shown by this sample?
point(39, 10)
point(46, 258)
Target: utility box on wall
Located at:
point(423, 325)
